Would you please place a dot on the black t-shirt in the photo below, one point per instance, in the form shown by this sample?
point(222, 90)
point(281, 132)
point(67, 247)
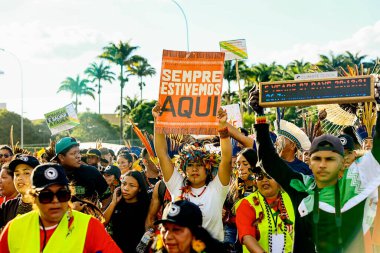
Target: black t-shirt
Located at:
point(87, 181)
point(8, 210)
point(128, 224)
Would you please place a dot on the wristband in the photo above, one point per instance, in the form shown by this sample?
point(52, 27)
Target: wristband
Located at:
point(223, 133)
point(261, 119)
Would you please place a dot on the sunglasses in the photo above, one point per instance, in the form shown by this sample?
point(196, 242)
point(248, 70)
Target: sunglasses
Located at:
point(260, 176)
point(46, 197)
point(5, 155)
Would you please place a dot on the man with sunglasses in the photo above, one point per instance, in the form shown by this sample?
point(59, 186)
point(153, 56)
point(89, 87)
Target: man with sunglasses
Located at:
point(332, 213)
point(54, 226)
point(6, 154)
point(21, 167)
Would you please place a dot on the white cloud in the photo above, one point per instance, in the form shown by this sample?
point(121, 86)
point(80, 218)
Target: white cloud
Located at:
point(366, 41)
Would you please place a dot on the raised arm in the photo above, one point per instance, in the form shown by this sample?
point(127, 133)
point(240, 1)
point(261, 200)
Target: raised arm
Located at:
point(225, 169)
point(161, 148)
point(269, 159)
point(239, 137)
point(153, 208)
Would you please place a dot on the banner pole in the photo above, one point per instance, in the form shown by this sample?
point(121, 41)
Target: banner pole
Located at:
point(240, 95)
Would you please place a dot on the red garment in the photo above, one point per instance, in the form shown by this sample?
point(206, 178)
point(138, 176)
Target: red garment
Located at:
point(245, 217)
point(97, 239)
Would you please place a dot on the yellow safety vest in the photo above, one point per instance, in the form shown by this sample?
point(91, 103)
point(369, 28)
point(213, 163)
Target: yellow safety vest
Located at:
point(268, 221)
point(24, 234)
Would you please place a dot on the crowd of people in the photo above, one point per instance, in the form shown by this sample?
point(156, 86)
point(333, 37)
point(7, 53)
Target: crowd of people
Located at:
point(273, 191)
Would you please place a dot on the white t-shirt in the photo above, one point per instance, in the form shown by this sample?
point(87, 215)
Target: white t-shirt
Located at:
point(210, 201)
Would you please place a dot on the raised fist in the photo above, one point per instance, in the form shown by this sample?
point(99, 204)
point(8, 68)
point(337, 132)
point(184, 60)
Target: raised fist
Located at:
point(254, 98)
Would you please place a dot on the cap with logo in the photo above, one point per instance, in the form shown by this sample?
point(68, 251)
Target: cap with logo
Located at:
point(183, 213)
point(327, 142)
point(48, 174)
point(347, 141)
point(112, 170)
point(23, 159)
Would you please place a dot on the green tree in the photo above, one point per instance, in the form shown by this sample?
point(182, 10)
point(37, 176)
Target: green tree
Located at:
point(9, 119)
point(93, 127)
point(98, 73)
point(142, 115)
point(330, 62)
point(129, 105)
point(122, 55)
point(142, 69)
point(77, 88)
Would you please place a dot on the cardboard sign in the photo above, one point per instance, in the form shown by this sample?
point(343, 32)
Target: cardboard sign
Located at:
point(234, 49)
point(62, 119)
point(320, 91)
point(234, 115)
point(190, 92)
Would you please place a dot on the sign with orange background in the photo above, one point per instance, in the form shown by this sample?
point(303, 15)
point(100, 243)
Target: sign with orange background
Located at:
point(190, 92)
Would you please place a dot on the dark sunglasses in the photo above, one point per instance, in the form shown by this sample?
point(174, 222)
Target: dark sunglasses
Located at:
point(46, 197)
point(260, 176)
point(5, 155)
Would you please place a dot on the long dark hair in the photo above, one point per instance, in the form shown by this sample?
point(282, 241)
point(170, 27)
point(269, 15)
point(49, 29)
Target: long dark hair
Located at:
point(142, 195)
point(237, 185)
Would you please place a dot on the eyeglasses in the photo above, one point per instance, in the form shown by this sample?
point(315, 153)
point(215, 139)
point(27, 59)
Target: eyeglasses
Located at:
point(260, 176)
point(46, 197)
point(5, 155)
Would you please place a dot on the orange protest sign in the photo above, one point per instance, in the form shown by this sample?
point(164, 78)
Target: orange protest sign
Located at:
point(190, 92)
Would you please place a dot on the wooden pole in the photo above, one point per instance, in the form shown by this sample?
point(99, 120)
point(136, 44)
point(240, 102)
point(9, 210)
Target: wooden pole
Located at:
point(240, 95)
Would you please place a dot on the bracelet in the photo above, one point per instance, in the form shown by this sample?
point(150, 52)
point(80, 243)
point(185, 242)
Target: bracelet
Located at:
point(223, 133)
point(261, 119)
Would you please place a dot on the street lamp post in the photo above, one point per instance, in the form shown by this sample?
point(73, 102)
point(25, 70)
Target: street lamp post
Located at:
point(187, 28)
point(22, 96)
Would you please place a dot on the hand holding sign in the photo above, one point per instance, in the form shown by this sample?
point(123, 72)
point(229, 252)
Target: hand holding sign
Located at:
point(156, 110)
point(254, 98)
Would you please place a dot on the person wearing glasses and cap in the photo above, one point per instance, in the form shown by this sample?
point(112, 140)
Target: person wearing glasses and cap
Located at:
point(54, 226)
point(22, 167)
point(265, 218)
point(333, 214)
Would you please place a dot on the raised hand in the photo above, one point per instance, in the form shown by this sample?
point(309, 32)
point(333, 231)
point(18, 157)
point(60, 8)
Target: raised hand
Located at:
point(254, 98)
point(222, 117)
point(156, 111)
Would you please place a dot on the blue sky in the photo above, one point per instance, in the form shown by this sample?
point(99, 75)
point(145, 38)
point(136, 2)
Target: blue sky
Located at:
point(54, 39)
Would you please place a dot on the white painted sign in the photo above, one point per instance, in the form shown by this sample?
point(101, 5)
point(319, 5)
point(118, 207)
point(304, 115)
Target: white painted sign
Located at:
point(318, 75)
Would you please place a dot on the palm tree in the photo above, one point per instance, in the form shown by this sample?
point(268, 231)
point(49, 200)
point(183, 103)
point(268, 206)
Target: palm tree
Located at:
point(77, 88)
point(129, 105)
point(121, 54)
point(142, 69)
point(331, 62)
point(353, 60)
point(97, 73)
point(230, 75)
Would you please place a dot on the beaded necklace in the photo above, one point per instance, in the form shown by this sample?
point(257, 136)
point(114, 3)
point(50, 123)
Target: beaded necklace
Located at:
point(273, 218)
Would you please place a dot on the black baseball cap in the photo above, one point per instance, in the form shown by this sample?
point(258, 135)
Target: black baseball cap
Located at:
point(48, 174)
point(183, 213)
point(347, 141)
point(113, 170)
point(94, 152)
point(327, 142)
point(23, 159)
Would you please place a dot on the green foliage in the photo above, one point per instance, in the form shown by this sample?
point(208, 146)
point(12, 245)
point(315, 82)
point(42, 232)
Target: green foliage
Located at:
point(142, 115)
point(93, 127)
